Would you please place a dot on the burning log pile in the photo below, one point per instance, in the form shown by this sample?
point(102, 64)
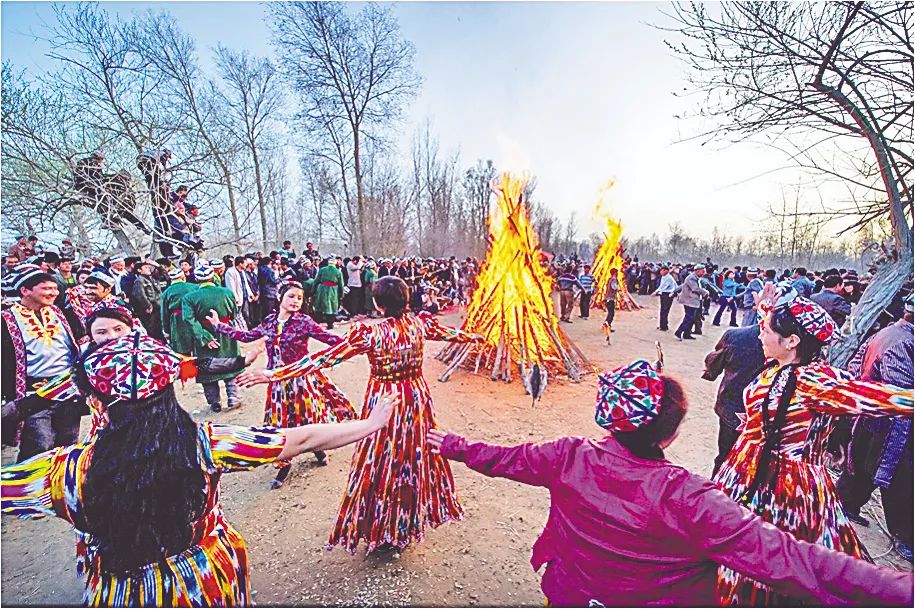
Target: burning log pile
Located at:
point(512, 306)
point(608, 257)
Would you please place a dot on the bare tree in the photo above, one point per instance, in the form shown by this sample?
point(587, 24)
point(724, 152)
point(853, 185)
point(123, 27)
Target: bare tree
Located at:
point(815, 76)
point(253, 99)
point(352, 75)
point(477, 193)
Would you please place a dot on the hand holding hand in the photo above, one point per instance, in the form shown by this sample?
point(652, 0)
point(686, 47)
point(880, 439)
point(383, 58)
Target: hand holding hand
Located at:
point(434, 440)
point(250, 378)
point(768, 294)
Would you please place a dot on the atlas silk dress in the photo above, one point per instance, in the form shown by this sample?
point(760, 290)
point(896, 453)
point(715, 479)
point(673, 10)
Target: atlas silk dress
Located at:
point(299, 400)
point(798, 495)
point(213, 571)
point(396, 485)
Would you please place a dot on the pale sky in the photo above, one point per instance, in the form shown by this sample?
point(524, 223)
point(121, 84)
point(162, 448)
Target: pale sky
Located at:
point(575, 93)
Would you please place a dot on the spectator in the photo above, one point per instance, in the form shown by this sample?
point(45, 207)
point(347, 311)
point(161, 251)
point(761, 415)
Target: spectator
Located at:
point(690, 296)
point(830, 298)
point(146, 299)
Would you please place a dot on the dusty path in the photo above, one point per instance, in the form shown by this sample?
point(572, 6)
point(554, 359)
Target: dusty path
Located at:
point(482, 560)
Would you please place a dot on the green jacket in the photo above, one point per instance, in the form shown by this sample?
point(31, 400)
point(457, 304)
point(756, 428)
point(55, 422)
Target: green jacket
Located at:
point(369, 277)
point(195, 306)
point(179, 333)
point(327, 297)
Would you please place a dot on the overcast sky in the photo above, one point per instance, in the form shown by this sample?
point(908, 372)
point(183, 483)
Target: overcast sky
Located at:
point(575, 93)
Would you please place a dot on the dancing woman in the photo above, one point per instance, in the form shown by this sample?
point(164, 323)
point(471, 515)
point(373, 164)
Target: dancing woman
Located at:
point(776, 468)
point(629, 528)
point(299, 400)
point(396, 486)
point(144, 493)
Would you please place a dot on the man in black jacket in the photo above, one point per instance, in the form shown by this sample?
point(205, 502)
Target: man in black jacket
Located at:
point(739, 356)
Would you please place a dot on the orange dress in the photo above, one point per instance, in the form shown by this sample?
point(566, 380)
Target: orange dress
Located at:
point(396, 485)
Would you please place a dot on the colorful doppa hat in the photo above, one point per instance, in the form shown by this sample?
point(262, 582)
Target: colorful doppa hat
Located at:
point(811, 316)
point(134, 367)
point(628, 397)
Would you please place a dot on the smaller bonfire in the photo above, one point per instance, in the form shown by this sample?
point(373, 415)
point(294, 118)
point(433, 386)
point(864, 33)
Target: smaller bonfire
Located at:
point(512, 306)
point(609, 257)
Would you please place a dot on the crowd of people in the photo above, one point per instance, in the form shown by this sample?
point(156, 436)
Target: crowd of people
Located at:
point(108, 339)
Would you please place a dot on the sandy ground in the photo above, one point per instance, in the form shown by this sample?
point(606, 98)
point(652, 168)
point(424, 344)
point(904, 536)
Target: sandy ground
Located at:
point(480, 561)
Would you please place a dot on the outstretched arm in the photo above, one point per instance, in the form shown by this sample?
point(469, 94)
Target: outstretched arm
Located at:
point(832, 391)
point(436, 331)
point(225, 329)
point(533, 464)
point(356, 342)
point(326, 436)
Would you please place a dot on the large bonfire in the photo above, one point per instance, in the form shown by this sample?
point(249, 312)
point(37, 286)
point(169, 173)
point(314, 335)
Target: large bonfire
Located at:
point(512, 307)
point(609, 257)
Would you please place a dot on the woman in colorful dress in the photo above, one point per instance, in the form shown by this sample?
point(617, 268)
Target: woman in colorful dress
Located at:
point(396, 486)
point(776, 468)
point(299, 400)
point(144, 494)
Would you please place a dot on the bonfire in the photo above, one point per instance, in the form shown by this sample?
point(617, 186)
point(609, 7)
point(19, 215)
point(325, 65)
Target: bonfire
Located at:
point(512, 307)
point(609, 257)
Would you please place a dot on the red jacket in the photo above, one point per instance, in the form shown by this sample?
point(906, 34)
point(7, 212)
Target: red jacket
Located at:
point(629, 531)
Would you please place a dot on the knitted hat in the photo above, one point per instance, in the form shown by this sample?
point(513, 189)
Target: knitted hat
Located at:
point(203, 271)
point(217, 263)
point(101, 277)
point(628, 397)
point(135, 367)
point(176, 274)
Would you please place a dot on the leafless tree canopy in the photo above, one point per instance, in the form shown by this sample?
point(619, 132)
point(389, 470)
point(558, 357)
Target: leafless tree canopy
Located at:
point(831, 83)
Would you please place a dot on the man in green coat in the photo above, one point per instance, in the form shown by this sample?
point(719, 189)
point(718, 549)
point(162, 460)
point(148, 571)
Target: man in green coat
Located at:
point(369, 276)
point(328, 290)
point(195, 306)
point(180, 337)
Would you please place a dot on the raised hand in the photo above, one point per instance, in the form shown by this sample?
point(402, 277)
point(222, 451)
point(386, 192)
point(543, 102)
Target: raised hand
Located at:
point(213, 317)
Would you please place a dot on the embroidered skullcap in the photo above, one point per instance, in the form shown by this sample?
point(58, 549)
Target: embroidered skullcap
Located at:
point(753, 270)
point(135, 367)
point(101, 277)
point(108, 309)
point(217, 263)
point(628, 397)
point(287, 284)
point(203, 271)
point(116, 258)
point(176, 274)
point(811, 316)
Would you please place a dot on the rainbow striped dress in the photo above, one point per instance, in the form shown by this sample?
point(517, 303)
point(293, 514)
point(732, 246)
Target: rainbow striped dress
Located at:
point(212, 572)
point(798, 495)
point(396, 485)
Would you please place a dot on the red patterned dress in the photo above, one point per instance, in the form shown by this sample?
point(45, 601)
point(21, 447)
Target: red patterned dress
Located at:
point(396, 485)
point(798, 495)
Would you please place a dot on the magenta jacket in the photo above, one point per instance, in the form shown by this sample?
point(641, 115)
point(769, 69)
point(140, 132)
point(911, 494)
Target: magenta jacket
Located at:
point(629, 531)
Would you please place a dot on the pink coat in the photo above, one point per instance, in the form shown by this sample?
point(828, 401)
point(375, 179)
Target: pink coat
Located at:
point(629, 531)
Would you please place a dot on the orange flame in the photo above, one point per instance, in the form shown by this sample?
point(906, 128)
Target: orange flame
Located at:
point(610, 255)
point(512, 306)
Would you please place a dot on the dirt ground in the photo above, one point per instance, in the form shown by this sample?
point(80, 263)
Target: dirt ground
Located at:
point(483, 560)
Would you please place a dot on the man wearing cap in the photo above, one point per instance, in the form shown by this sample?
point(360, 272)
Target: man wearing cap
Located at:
point(38, 345)
point(145, 298)
point(881, 448)
point(690, 295)
point(180, 336)
point(328, 290)
point(195, 306)
point(81, 299)
point(21, 249)
point(754, 286)
point(219, 272)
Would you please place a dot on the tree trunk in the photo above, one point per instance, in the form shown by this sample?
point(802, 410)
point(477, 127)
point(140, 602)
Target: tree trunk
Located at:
point(261, 204)
point(879, 293)
point(359, 234)
point(233, 208)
